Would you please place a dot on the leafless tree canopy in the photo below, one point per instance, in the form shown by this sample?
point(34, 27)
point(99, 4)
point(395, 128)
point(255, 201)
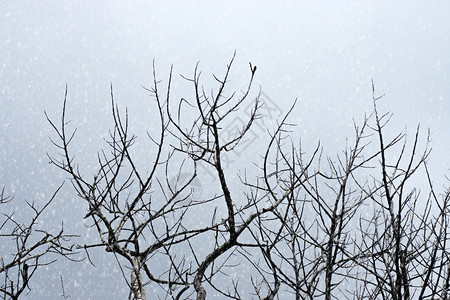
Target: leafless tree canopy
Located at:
point(30, 246)
point(307, 226)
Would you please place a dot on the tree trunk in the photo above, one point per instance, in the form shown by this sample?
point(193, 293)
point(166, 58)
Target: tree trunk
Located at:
point(137, 285)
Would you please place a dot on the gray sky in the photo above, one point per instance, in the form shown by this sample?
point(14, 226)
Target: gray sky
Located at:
point(324, 54)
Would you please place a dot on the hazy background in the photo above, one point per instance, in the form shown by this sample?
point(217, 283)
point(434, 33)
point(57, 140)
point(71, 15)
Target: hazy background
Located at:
point(322, 53)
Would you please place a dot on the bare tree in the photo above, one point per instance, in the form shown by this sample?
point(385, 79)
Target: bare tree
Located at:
point(134, 224)
point(403, 248)
point(203, 140)
point(28, 246)
point(349, 230)
point(131, 224)
point(316, 223)
point(345, 226)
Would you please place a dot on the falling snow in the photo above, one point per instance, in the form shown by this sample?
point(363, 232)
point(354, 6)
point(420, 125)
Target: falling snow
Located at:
point(324, 55)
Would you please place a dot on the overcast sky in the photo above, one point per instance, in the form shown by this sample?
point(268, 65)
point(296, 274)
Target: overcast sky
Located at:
point(323, 53)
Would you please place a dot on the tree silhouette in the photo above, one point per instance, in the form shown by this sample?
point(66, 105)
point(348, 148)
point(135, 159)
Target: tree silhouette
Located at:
point(308, 226)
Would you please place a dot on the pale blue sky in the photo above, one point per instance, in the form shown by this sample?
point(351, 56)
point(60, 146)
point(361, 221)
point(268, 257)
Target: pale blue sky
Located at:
point(325, 54)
